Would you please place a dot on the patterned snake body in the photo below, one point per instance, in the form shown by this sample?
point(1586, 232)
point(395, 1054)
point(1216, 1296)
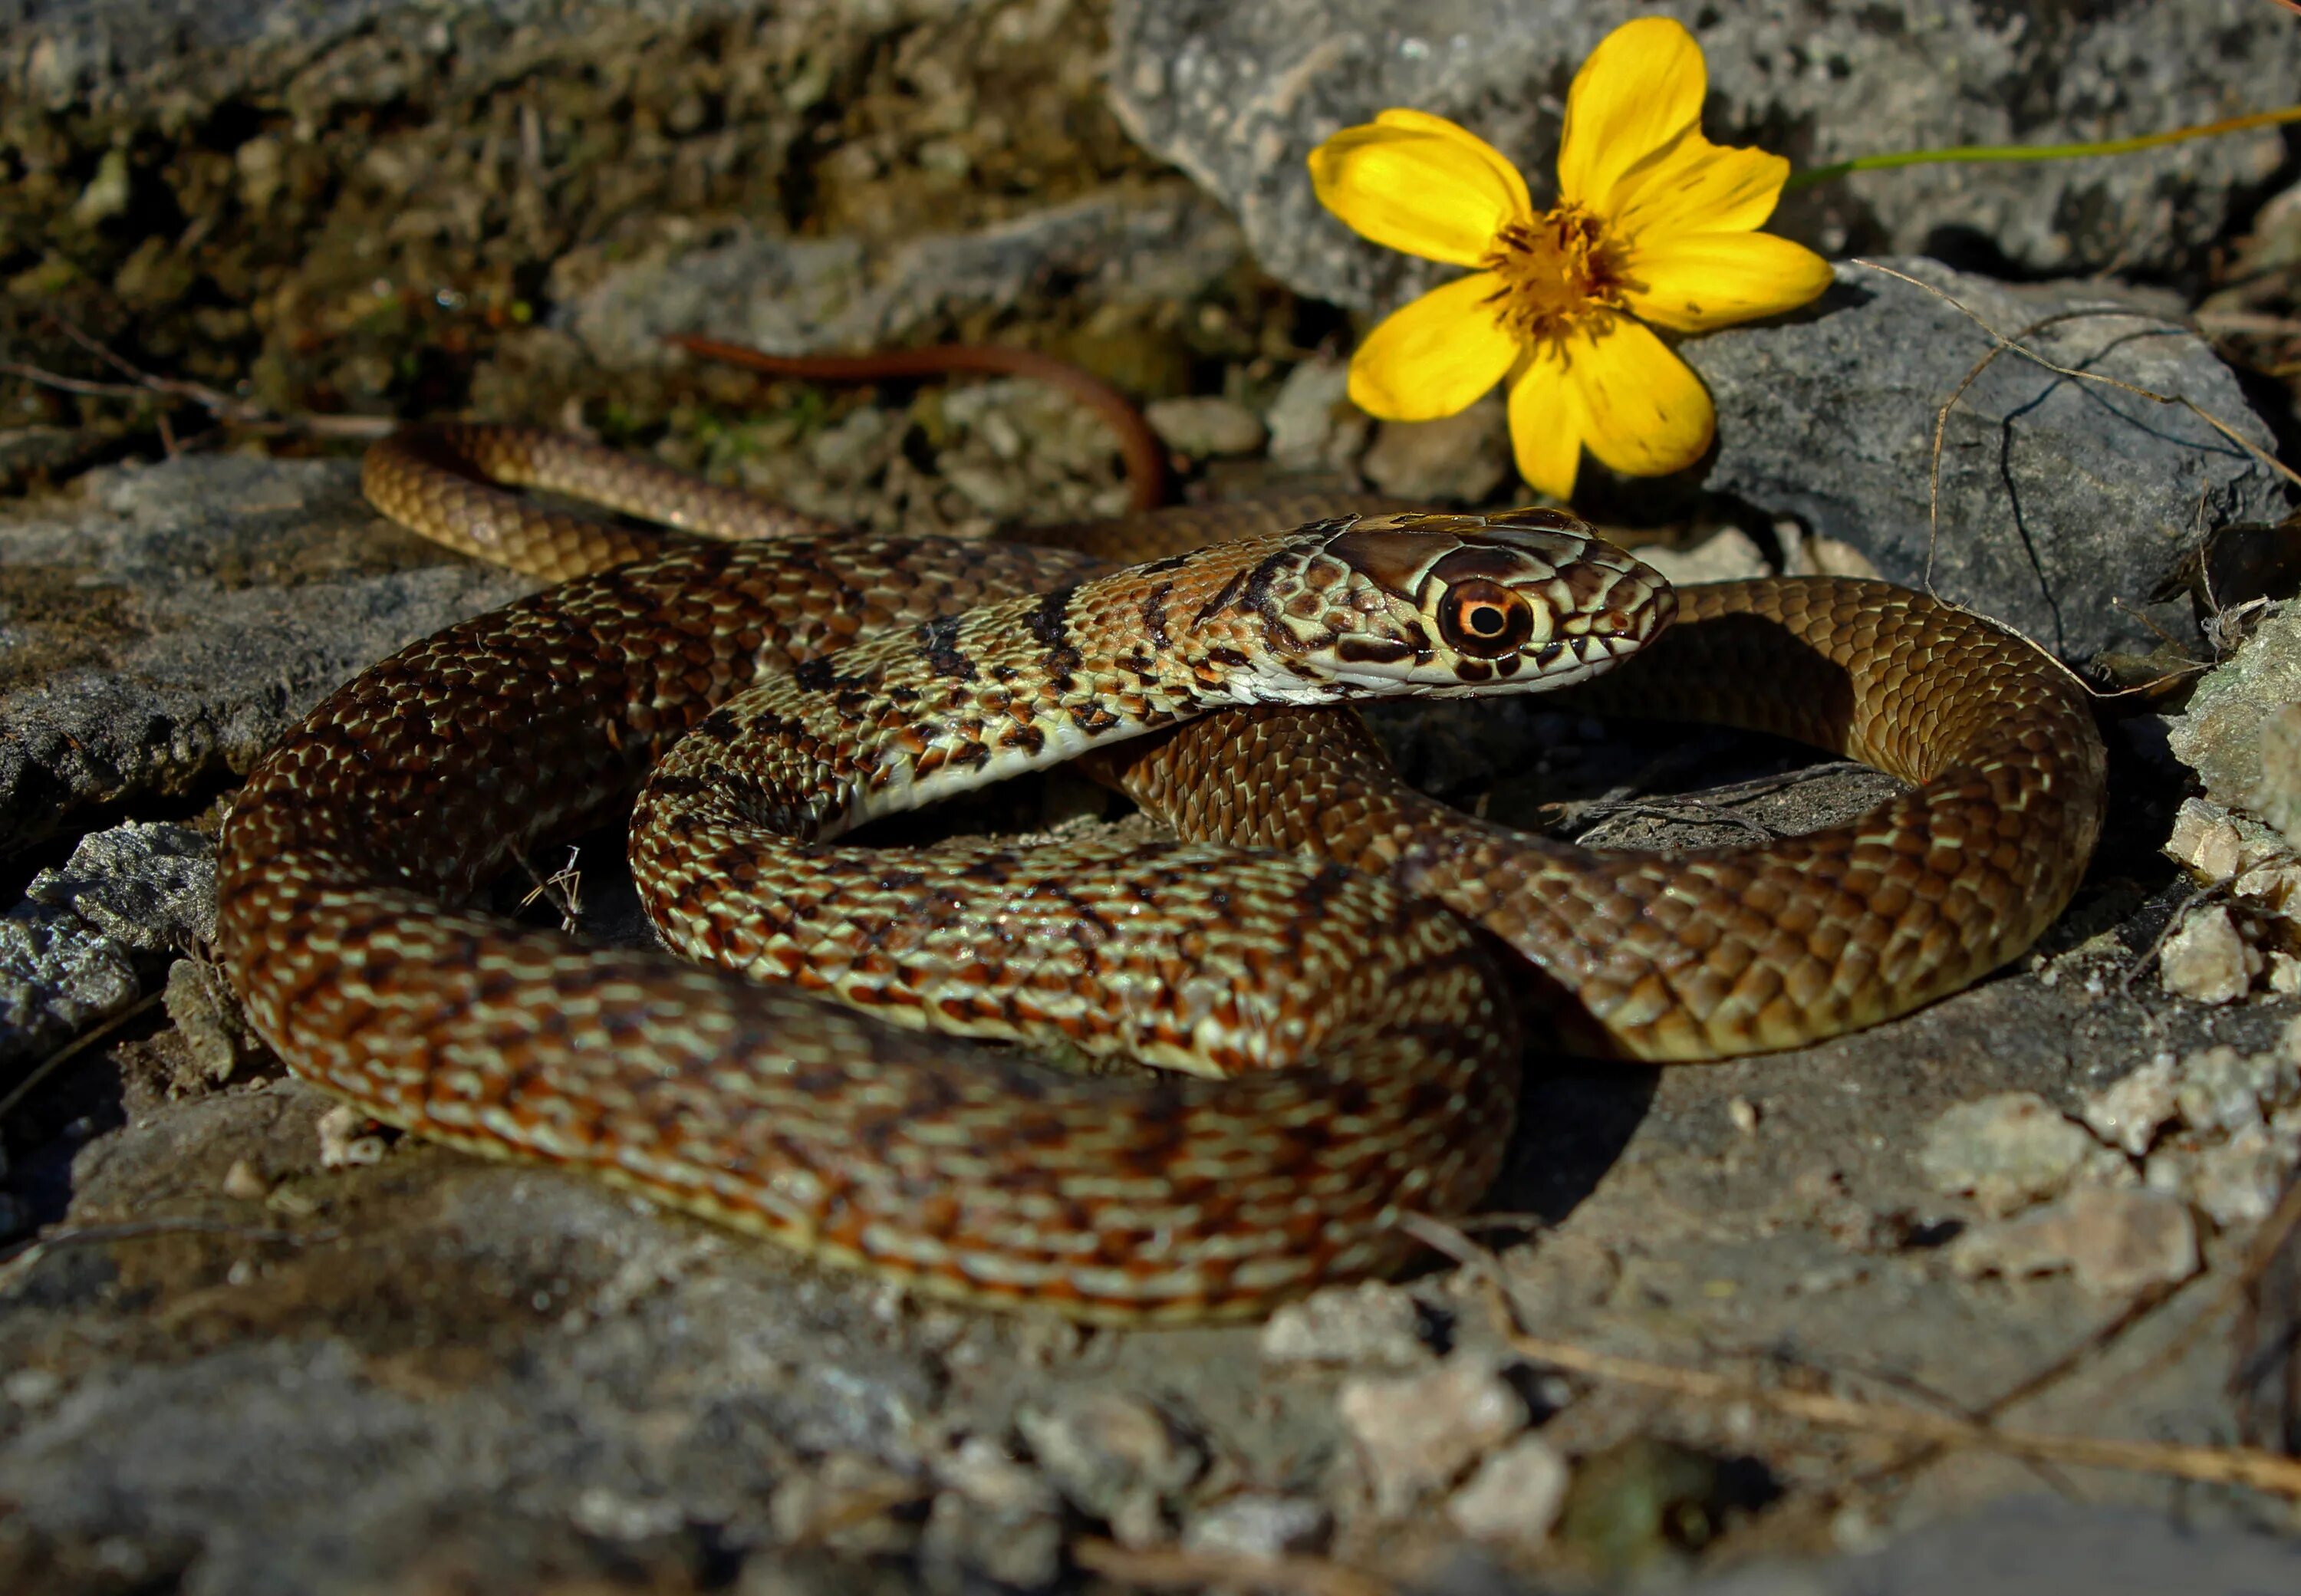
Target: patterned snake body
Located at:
point(348, 855)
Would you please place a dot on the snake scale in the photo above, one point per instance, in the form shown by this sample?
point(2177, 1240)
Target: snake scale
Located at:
point(1359, 1048)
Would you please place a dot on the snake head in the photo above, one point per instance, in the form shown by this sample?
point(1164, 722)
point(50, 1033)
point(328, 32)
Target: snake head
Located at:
point(1445, 605)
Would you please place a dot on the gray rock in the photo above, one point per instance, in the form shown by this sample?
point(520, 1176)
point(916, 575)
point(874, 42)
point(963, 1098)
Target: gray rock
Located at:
point(150, 888)
point(77, 950)
point(57, 978)
point(800, 295)
point(2063, 503)
point(2234, 731)
point(165, 624)
point(1237, 95)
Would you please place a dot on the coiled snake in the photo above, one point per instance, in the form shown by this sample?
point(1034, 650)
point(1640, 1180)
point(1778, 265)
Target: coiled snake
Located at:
point(1367, 1055)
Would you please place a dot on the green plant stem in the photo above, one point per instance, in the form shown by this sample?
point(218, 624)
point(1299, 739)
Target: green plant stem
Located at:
point(2041, 152)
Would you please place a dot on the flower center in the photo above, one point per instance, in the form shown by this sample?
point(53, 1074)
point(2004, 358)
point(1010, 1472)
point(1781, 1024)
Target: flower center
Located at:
point(1555, 271)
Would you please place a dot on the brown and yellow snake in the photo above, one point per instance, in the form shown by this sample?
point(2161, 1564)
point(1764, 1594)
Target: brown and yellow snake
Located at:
point(1366, 1056)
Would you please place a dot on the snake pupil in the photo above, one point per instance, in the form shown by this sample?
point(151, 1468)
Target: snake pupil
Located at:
point(1484, 618)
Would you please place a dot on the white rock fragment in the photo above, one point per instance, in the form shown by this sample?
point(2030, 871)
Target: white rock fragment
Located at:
point(1417, 1433)
point(2113, 1241)
point(2207, 840)
point(2007, 1151)
point(1515, 1495)
point(1257, 1525)
point(2206, 961)
point(987, 1474)
point(2130, 1113)
point(1372, 1321)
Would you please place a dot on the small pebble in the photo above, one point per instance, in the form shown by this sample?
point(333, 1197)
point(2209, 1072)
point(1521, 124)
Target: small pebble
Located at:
point(2235, 1183)
point(2128, 1112)
point(1515, 1495)
point(1206, 428)
point(1260, 1526)
point(347, 1139)
point(986, 1474)
point(1458, 459)
point(2113, 1241)
point(31, 1388)
point(2205, 961)
point(1726, 555)
point(1372, 1321)
point(2222, 1089)
point(1418, 1432)
point(2006, 1150)
point(1312, 421)
point(1115, 1458)
point(242, 1182)
point(1743, 1114)
point(1023, 1552)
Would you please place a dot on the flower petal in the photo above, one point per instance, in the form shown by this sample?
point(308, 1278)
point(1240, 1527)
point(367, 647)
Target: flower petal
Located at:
point(1644, 410)
point(1406, 119)
point(1696, 186)
point(1691, 282)
point(1441, 195)
point(1545, 425)
point(1434, 356)
point(1640, 89)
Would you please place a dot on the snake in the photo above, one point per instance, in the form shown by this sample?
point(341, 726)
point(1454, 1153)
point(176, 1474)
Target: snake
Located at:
point(1315, 938)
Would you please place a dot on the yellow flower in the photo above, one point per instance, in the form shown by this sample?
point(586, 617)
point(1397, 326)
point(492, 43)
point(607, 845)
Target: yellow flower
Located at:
point(1653, 223)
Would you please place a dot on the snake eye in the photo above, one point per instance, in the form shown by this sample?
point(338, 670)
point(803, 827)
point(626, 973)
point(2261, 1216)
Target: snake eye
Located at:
point(1482, 618)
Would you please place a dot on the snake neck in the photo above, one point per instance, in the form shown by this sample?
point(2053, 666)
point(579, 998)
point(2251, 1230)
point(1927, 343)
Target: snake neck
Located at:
point(957, 703)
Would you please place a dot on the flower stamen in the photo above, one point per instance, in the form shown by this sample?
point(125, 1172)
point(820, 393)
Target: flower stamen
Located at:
point(1555, 272)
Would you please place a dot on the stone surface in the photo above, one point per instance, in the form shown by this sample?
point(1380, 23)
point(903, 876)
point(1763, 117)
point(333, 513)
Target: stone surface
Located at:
point(151, 888)
point(2005, 1151)
point(1238, 94)
point(845, 295)
point(2112, 1241)
point(2063, 503)
point(88, 935)
point(161, 626)
point(2239, 716)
